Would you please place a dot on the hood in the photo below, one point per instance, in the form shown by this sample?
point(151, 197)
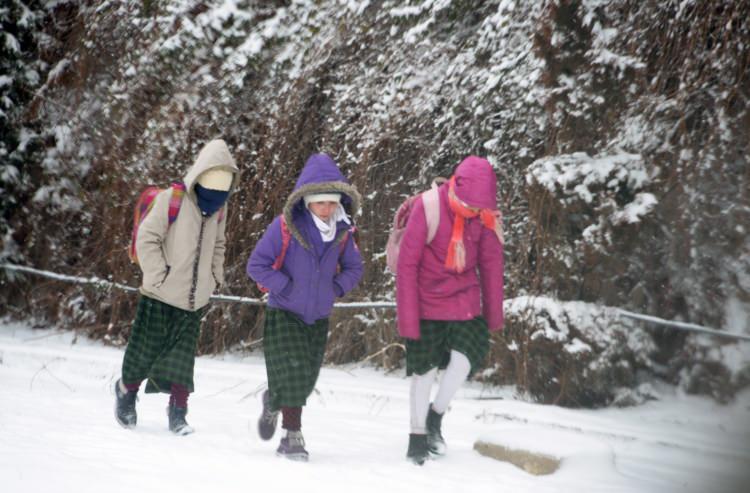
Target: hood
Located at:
point(476, 183)
point(215, 154)
point(320, 174)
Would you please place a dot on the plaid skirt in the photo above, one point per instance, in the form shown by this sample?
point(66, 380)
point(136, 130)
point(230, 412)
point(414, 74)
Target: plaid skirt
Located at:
point(162, 346)
point(294, 354)
point(438, 337)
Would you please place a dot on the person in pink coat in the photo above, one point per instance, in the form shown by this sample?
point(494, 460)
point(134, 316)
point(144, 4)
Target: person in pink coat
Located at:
point(449, 296)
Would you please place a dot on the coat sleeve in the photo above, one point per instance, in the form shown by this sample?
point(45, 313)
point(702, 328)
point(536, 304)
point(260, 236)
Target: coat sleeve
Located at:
point(407, 272)
point(220, 247)
point(351, 268)
point(149, 244)
point(260, 264)
point(491, 267)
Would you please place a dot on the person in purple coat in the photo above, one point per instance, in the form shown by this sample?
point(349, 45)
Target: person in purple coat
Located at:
point(321, 262)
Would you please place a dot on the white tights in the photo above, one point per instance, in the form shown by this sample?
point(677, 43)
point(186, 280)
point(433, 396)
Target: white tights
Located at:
point(421, 385)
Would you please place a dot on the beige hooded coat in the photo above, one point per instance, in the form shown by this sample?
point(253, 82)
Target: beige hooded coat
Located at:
point(183, 263)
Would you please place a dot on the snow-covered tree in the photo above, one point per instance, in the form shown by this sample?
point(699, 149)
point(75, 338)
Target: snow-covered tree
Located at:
point(21, 72)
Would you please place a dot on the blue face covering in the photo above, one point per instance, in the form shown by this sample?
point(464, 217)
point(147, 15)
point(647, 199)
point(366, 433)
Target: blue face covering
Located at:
point(210, 201)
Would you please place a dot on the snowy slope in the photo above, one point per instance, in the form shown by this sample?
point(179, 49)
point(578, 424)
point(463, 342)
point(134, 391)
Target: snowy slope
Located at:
point(58, 434)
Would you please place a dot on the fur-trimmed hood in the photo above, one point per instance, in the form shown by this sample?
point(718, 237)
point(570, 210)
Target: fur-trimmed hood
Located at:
point(320, 174)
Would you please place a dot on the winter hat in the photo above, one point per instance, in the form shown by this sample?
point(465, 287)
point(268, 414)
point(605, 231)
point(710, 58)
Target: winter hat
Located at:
point(322, 197)
point(216, 179)
point(476, 183)
point(471, 193)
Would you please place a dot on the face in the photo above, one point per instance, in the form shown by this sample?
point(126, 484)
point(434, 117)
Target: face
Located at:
point(324, 210)
point(475, 210)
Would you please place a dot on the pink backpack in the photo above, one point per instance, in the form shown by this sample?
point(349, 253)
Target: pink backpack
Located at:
point(143, 207)
point(146, 202)
point(431, 200)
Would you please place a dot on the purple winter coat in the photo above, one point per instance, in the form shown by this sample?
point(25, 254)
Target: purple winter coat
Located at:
point(308, 281)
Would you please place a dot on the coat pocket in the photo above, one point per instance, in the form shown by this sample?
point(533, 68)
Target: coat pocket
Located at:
point(163, 279)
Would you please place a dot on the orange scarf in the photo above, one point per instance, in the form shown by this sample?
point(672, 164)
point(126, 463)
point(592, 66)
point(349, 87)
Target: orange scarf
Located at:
point(492, 220)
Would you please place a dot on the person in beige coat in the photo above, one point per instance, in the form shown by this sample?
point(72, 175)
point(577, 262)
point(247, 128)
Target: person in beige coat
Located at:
point(182, 265)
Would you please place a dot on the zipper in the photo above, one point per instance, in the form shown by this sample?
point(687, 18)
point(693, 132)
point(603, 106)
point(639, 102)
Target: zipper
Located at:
point(194, 284)
point(334, 246)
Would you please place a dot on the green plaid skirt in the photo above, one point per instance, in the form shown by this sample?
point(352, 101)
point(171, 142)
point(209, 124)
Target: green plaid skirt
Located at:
point(162, 346)
point(294, 354)
point(437, 337)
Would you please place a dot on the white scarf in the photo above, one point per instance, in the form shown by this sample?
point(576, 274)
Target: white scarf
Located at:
point(328, 228)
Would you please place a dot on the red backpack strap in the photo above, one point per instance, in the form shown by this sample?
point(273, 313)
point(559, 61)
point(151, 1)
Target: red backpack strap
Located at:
point(142, 207)
point(175, 201)
point(345, 238)
point(342, 245)
point(286, 237)
point(146, 203)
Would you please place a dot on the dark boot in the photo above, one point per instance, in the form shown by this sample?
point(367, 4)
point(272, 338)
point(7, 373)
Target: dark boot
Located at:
point(292, 447)
point(125, 406)
point(268, 418)
point(177, 423)
point(417, 452)
point(435, 441)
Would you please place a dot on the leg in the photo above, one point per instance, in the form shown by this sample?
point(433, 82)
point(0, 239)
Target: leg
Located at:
point(423, 357)
point(317, 338)
point(292, 363)
point(419, 400)
point(294, 354)
point(292, 446)
point(274, 328)
point(268, 418)
point(455, 374)
point(146, 338)
point(125, 412)
point(291, 418)
point(175, 363)
point(467, 343)
point(173, 369)
point(457, 371)
point(177, 410)
point(178, 396)
point(145, 342)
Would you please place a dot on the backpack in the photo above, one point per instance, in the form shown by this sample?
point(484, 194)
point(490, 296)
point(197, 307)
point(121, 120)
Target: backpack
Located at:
point(431, 200)
point(286, 237)
point(144, 205)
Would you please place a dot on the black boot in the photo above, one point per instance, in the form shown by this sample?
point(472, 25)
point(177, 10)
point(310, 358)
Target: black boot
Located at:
point(435, 441)
point(177, 423)
point(268, 418)
point(125, 406)
point(417, 452)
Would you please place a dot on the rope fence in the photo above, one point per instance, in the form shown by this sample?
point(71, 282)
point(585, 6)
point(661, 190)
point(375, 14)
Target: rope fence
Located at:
point(104, 284)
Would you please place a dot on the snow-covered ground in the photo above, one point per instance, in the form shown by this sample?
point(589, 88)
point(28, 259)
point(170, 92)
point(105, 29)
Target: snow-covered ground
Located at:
point(58, 434)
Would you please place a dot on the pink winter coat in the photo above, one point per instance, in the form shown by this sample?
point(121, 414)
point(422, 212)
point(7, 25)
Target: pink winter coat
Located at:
point(425, 289)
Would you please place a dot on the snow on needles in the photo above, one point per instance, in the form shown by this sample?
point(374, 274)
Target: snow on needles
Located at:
point(578, 176)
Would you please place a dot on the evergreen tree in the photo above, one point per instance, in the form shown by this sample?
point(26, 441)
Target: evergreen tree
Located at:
point(20, 77)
